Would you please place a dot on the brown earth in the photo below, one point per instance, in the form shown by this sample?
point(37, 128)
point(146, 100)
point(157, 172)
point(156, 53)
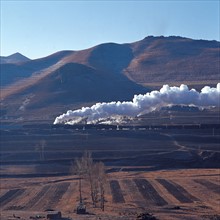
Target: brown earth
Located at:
point(46, 87)
point(171, 171)
point(61, 193)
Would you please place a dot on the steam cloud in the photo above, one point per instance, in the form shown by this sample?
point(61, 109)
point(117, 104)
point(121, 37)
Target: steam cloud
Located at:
point(144, 104)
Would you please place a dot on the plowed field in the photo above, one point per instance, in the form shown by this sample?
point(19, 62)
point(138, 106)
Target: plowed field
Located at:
point(166, 194)
point(172, 173)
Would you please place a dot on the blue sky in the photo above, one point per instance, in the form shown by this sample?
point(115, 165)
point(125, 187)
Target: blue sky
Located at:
point(38, 28)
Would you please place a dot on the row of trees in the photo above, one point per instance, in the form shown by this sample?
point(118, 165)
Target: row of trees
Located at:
point(94, 173)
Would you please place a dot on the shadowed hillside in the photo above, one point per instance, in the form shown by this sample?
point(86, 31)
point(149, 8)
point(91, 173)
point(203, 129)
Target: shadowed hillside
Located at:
point(77, 83)
point(14, 58)
point(106, 72)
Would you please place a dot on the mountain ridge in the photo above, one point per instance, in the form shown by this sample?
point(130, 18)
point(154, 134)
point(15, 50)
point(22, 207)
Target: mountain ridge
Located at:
point(106, 72)
point(14, 58)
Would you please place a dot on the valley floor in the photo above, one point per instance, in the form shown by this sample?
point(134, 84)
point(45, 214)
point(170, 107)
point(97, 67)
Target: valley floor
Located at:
point(190, 194)
point(170, 173)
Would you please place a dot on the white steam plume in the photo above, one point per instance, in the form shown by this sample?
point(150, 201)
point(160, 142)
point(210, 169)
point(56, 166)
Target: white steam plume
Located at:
point(144, 103)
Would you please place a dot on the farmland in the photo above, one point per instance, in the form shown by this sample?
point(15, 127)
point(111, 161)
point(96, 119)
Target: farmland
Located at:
point(175, 195)
point(170, 172)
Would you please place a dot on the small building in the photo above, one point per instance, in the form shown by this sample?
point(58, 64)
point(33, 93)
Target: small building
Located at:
point(54, 215)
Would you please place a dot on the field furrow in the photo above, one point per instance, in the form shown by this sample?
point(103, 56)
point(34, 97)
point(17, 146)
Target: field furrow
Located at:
point(184, 191)
point(117, 196)
point(37, 198)
point(59, 192)
point(176, 191)
point(209, 185)
point(134, 193)
point(149, 193)
point(10, 195)
point(43, 201)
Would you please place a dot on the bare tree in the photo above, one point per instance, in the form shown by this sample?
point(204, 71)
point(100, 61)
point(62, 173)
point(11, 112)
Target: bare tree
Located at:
point(102, 183)
point(97, 179)
point(95, 174)
point(79, 168)
point(92, 176)
point(94, 183)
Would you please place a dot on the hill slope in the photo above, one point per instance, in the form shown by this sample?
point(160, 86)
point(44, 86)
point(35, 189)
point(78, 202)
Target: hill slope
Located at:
point(174, 60)
point(14, 58)
point(106, 72)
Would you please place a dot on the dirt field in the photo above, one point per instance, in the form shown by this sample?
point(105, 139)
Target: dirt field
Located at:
point(171, 173)
point(168, 194)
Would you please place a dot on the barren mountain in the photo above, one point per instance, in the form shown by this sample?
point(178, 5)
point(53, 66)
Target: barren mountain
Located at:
point(174, 60)
point(14, 58)
point(106, 72)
